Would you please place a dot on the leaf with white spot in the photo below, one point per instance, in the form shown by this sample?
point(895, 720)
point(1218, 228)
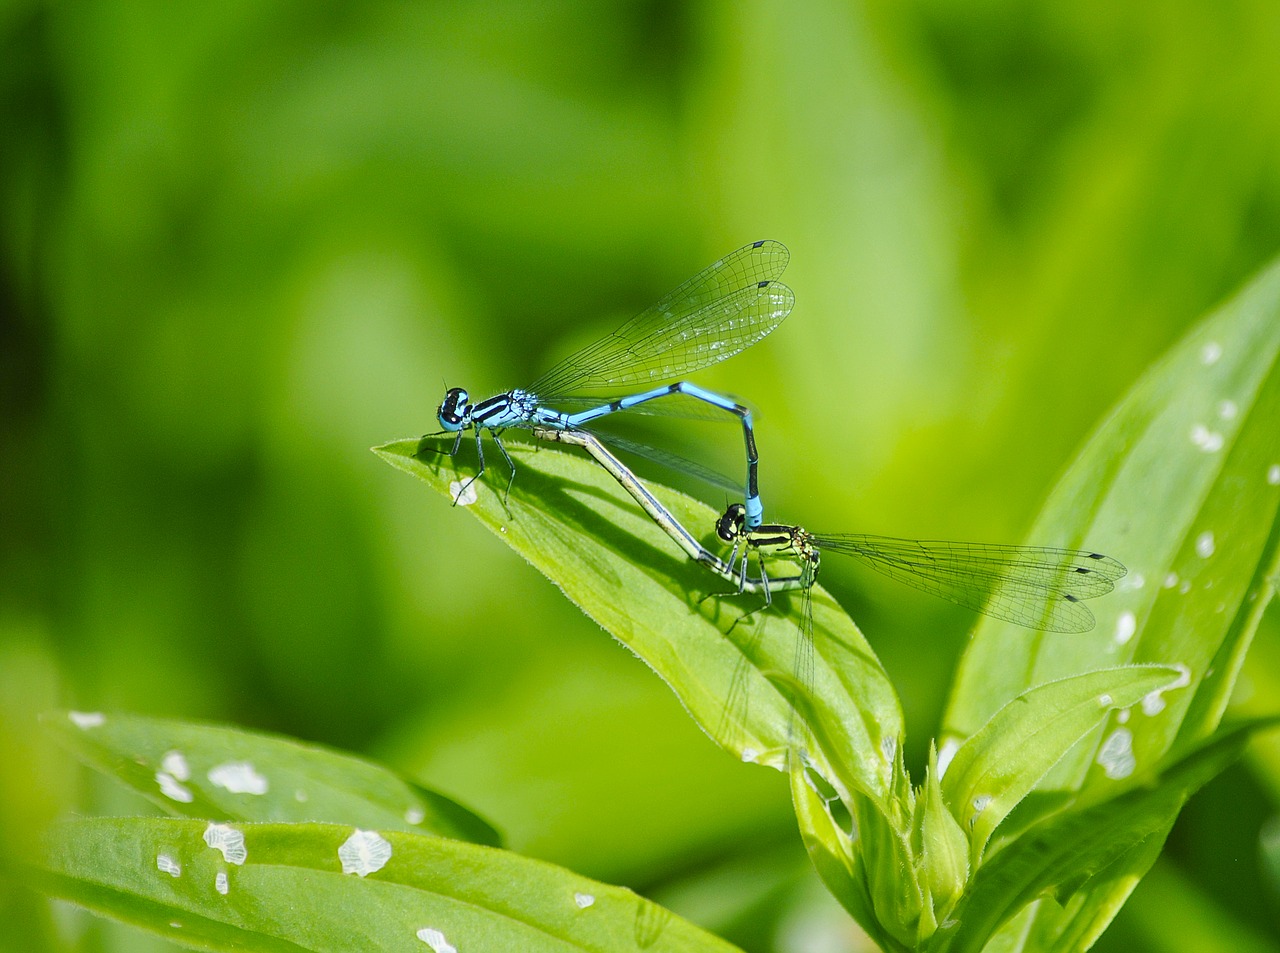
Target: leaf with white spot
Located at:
point(291, 892)
point(364, 853)
point(1067, 853)
point(1181, 492)
point(245, 776)
point(1004, 761)
point(227, 840)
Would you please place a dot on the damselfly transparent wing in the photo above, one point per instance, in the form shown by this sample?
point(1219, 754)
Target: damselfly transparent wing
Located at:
point(719, 312)
point(794, 685)
point(1040, 588)
point(673, 461)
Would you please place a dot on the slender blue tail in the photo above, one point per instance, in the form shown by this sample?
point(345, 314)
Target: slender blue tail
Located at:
point(755, 509)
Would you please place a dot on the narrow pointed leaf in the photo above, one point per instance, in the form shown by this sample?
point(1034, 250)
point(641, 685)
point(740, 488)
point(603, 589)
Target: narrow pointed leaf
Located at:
point(1066, 853)
point(1001, 764)
point(195, 770)
point(1181, 483)
point(317, 887)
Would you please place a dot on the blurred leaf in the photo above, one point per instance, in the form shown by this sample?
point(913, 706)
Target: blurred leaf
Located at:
point(1269, 854)
point(1071, 851)
point(1181, 483)
point(571, 520)
point(1175, 916)
point(1001, 764)
point(207, 771)
point(323, 887)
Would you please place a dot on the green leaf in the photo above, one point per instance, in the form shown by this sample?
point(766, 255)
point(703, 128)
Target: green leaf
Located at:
point(944, 849)
point(1181, 484)
point(1072, 851)
point(195, 770)
point(287, 890)
point(1178, 484)
point(1172, 914)
point(734, 674)
point(840, 866)
point(1004, 761)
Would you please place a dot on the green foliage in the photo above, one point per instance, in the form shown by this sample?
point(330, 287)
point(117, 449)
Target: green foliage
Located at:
point(916, 866)
point(240, 243)
point(1009, 755)
point(570, 520)
point(1185, 603)
point(1067, 854)
point(209, 771)
point(328, 888)
point(392, 869)
point(1179, 482)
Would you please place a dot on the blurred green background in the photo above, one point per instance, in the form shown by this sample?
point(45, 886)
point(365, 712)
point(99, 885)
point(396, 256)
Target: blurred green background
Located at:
point(244, 242)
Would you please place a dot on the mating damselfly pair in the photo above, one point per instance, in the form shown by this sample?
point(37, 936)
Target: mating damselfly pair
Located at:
point(718, 313)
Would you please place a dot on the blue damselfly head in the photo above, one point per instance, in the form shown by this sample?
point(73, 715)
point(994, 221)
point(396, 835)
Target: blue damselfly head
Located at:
point(454, 412)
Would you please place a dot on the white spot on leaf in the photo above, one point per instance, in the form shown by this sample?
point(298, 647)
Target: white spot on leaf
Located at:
point(84, 720)
point(220, 883)
point(749, 755)
point(1135, 580)
point(464, 494)
point(888, 748)
point(1122, 716)
point(1153, 703)
point(1116, 755)
point(166, 864)
point(171, 789)
point(946, 753)
point(176, 765)
point(583, 900)
point(435, 939)
point(1126, 625)
point(1227, 409)
point(364, 852)
point(227, 839)
point(238, 777)
point(1210, 353)
point(1210, 441)
point(1205, 544)
point(1104, 700)
point(415, 815)
point(1170, 580)
point(979, 805)
point(1273, 474)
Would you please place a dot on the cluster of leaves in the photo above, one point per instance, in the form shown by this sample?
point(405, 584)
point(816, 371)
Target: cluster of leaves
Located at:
point(1064, 762)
